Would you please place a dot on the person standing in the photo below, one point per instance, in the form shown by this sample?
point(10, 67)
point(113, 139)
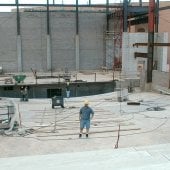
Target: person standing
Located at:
point(85, 115)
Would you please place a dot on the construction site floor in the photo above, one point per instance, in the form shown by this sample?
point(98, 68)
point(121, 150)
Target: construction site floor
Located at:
point(43, 130)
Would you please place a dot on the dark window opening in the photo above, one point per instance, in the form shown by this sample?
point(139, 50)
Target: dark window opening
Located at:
point(8, 88)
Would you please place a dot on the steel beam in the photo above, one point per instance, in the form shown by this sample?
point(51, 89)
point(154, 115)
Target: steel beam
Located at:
point(77, 17)
point(107, 6)
point(157, 16)
point(66, 5)
point(125, 15)
point(142, 55)
point(151, 24)
point(151, 44)
point(142, 20)
point(140, 2)
point(48, 18)
point(107, 17)
point(18, 18)
point(137, 9)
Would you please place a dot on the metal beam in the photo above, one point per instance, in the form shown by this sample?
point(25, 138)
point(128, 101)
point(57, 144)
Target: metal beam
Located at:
point(137, 21)
point(18, 18)
point(125, 15)
point(137, 9)
point(140, 2)
point(157, 16)
point(77, 17)
point(107, 6)
point(48, 18)
point(142, 55)
point(151, 24)
point(67, 5)
point(164, 8)
point(151, 44)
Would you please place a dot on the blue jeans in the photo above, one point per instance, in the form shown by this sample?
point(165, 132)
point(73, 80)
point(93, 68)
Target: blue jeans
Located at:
point(84, 123)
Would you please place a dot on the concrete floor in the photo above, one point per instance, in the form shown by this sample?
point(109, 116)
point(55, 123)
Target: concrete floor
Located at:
point(89, 76)
point(44, 130)
point(48, 138)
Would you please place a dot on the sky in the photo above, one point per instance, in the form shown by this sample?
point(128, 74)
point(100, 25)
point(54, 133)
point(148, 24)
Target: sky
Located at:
point(63, 1)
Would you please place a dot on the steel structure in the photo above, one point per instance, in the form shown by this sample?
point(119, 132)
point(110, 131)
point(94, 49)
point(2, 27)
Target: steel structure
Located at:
point(130, 15)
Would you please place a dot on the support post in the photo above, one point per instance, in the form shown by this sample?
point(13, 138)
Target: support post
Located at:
point(157, 16)
point(107, 15)
point(125, 15)
point(19, 41)
point(77, 17)
point(49, 57)
point(77, 37)
point(19, 53)
point(49, 61)
point(150, 40)
point(77, 53)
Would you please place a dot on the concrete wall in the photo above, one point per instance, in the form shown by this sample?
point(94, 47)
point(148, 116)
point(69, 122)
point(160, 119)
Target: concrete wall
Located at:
point(63, 31)
point(92, 27)
point(130, 63)
point(8, 39)
point(160, 80)
point(33, 37)
point(164, 25)
point(76, 89)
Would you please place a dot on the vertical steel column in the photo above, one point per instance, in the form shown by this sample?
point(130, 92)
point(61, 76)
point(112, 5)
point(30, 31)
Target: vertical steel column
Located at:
point(140, 2)
point(77, 50)
point(19, 43)
point(107, 15)
point(18, 18)
point(49, 57)
point(48, 18)
point(89, 2)
point(151, 23)
point(125, 15)
point(157, 16)
point(107, 6)
point(77, 17)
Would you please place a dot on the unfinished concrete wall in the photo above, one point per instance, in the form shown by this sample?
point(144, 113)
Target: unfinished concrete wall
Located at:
point(63, 32)
point(160, 80)
point(8, 39)
point(92, 27)
point(130, 63)
point(33, 37)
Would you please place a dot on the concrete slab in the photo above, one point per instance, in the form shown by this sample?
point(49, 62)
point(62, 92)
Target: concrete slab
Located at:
point(103, 159)
point(47, 131)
